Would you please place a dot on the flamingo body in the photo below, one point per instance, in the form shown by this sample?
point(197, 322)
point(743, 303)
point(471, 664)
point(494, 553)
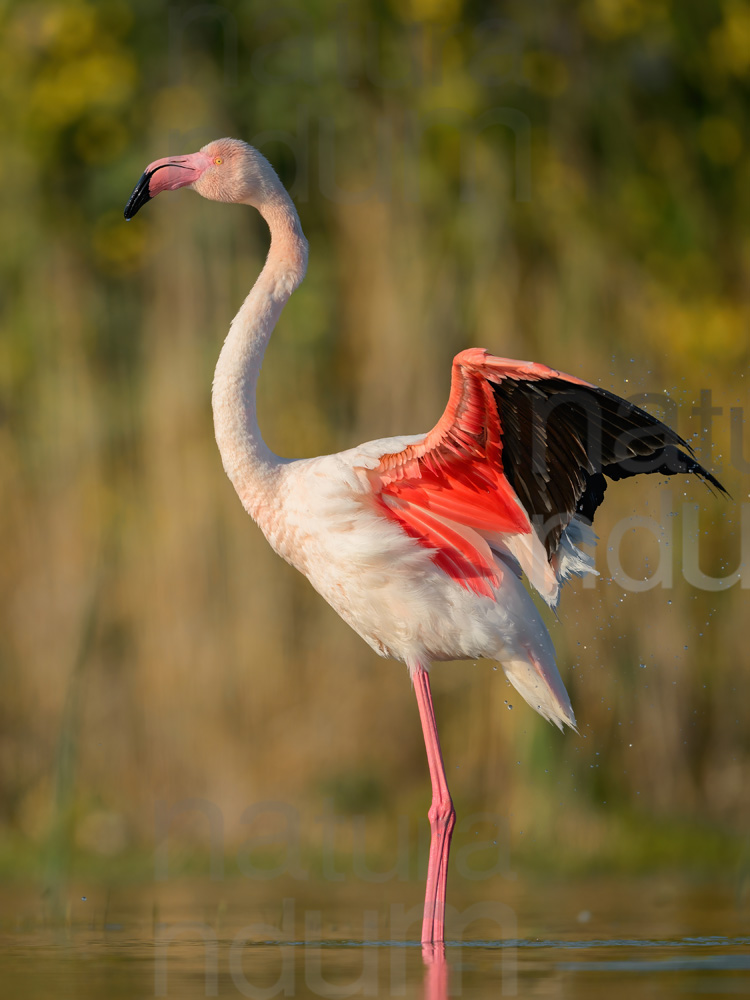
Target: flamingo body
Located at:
point(420, 542)
point(391, 589)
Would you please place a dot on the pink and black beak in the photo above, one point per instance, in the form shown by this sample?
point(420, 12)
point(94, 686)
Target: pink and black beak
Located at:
point(165, 175)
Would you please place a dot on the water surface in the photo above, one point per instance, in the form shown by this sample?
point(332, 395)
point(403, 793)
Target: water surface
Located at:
point(194, 938)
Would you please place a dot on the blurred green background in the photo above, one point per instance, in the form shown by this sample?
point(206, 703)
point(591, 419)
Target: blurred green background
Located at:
point(564, 182)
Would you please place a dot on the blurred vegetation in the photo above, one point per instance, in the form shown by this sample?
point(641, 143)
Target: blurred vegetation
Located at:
point(563, 182)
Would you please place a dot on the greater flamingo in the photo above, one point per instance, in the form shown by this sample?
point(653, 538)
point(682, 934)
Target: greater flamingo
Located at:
point(419, 542)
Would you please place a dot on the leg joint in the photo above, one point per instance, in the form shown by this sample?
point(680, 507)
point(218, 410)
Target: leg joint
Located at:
point(442, 813)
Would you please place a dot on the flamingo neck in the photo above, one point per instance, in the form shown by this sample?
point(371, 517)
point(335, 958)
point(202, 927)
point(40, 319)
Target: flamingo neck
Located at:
point(247, 460)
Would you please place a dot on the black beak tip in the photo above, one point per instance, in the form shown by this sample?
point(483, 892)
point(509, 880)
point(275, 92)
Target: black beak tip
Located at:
point(139, 197)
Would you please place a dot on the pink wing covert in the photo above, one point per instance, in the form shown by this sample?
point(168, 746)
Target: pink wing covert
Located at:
point(450, 491)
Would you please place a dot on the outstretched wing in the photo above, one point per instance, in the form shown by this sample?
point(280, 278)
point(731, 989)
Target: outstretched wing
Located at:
point(520, 450)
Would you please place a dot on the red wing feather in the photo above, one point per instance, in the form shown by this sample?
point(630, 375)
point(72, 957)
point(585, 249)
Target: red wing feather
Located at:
point(449, 491)
point(458, 550)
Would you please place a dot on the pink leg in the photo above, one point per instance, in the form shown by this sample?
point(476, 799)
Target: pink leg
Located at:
point(442, 816)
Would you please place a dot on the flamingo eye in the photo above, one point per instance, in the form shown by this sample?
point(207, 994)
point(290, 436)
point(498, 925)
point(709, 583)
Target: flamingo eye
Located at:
point(218, 160)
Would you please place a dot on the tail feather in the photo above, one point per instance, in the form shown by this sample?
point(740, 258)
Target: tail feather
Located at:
point(539, 683)
point(528, 656)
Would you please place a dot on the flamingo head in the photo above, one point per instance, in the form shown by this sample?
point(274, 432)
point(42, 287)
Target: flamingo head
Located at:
point(223, 170)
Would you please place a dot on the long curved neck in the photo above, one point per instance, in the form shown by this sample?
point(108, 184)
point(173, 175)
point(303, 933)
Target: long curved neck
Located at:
point(248, 462)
